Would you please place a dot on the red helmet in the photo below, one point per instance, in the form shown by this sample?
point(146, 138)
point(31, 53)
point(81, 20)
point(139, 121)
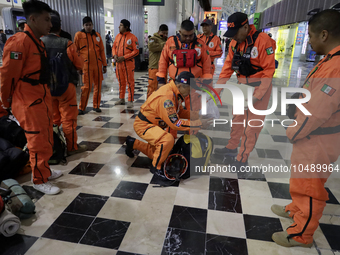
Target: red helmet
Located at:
point(175, 166)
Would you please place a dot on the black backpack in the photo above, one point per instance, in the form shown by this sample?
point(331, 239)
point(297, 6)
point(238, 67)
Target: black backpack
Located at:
point(59, 148)
point(12, 132)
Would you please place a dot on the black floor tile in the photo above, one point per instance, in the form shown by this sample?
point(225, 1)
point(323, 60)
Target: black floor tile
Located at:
point(68, 227)
point(106, 106)
point(33, 193)
point(158, 181)
point(103, 118)
point(87, 169)
point(265, 153)
point(279, 190)
point(106, 233)
point(122, 151)
point(255, 176)
point(134, 116)
point(91, 146)
point(130, 190)
point(224, 245)
point(142, 162)
point(280, 138)
point(126, 253)
point(178, 241)
point(116, 140)
point(87, 204)
point(220, 201)
point(225, 185)
point(129, 111)
point(261, 228)
point(332, 198)
point(16, 245)
point(78, 127)
point(220, 159)
point(223, 106)
point(332, 234)
point(189, 218)
point(140, 101)
point(112, 125)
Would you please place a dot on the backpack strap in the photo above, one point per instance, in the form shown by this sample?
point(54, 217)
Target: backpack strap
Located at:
point(210, 38)
point(194, 43)
point(176, 42)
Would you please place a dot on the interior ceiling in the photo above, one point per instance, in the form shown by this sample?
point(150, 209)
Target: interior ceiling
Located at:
point(231, 6)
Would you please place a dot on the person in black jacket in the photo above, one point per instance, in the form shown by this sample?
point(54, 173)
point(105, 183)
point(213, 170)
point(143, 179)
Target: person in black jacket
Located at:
point(62, 33)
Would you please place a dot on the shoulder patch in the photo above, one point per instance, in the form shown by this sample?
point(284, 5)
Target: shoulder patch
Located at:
point(254, 52)
point(129, 42)
point(16, 55)
point(211, 45)
point(270, 51)
point(168, 103)
point(328, 90)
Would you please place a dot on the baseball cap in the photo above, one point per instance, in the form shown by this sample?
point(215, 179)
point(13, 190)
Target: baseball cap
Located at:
point(187, 78)
point(207, 22)
point(21, 21)
point(235, 22)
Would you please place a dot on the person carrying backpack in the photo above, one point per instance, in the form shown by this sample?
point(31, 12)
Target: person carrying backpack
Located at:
point(64, 63)
point(24, 88)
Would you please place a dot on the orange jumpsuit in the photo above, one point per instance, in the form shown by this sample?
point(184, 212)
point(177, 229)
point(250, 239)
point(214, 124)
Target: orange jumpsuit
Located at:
point(201, 70)
point(91, 48)
point(65, 106)
point(126, 45)
point(31, 104)
point(163, 108)
point(310, 147)
point(262, 56)
point(214, 45)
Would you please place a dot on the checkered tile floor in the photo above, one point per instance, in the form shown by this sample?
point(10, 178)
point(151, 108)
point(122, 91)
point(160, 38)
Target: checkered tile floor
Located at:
point(109, 204)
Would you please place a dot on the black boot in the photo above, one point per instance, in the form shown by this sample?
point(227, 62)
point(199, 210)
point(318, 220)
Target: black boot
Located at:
point(226, 152)
point(129, 146)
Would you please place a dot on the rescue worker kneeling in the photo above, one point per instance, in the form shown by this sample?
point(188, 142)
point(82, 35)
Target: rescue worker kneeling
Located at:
point(163, 108)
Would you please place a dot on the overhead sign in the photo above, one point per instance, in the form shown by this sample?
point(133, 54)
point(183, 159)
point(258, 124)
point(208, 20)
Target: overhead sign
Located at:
point(216, 8)
point(223, 25)
point(153, 2)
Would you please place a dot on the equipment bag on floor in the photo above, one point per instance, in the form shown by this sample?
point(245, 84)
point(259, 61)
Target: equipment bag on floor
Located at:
point(196, 149)
point(18, 201)
point(59, 148)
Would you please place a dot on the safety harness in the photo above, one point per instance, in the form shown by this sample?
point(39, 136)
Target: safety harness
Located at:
point(241, 61)
point(44, 69)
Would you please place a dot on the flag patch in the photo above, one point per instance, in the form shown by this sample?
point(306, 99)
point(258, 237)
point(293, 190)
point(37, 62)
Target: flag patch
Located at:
point(270, 51)
point(328, 90)
point(16, 55)
point(179, 123)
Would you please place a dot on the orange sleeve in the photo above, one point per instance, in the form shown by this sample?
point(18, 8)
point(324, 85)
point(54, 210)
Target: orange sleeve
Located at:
point(206, 60)
point(267, 60)
point(321, 105)
point(135, 49)
point(76, 41)
point(74, 56)
point(167, 112)
point(217, 52)
point(114, 46)
point(163, 63)
point(13, 60)
point(226, 69)
point(102, 50)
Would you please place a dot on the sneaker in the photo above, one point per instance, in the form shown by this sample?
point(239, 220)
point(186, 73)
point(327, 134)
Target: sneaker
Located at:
point(129, 146)
point(226, 151)
point(97, 110)
point(81, 148)
point(130, 104)
point(121, 101)
point(47, 188)
point(282, 238)
point(237, 165)
point(55, 174)
point(280, 211)
point(81, 112)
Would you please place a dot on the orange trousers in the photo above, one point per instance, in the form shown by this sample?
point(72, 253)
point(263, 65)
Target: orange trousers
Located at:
point(91, 76)
point(213, 68)
point(153, 84)
point(125, 72)
point(248, 134)
point(35, 117)
point(159, 142)
point(307, 189)
point(65, 112)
